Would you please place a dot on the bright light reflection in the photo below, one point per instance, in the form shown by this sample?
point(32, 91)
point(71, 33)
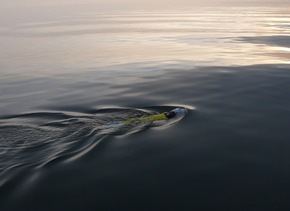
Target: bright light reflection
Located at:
point(282, 49)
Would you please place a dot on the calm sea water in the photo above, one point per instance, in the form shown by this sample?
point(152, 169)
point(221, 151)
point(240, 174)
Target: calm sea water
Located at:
point(65, 78)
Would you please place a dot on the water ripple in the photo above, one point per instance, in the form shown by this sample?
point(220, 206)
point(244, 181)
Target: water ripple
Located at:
point(43, 138)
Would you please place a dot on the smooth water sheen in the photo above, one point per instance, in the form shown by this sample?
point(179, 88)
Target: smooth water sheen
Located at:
point(67, 80)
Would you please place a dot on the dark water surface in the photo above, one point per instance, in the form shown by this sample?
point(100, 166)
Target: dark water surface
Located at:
point(64, 81)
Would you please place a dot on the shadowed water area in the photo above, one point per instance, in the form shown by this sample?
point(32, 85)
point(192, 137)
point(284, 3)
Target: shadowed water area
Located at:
point(68, 81)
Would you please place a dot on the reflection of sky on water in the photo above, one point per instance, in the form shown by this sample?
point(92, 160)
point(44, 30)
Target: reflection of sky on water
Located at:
point(274, 40)
point(233, 36)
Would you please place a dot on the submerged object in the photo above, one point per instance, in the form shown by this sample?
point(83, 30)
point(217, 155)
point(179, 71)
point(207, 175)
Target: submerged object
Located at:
point(163, 116)
point(172, 117)
point(178, 112)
